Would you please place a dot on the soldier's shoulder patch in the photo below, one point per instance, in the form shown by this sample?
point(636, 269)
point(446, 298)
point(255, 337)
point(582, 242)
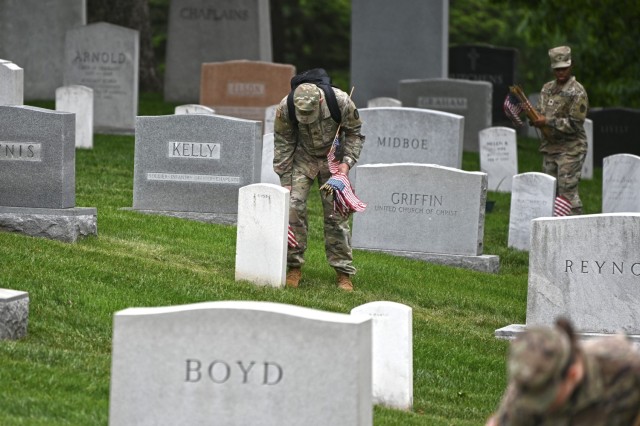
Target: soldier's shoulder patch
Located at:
point(356, 114)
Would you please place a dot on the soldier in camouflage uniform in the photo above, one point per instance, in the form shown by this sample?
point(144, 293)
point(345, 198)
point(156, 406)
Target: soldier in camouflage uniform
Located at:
point(563, 104)
point(555, 381)
point(300, 157)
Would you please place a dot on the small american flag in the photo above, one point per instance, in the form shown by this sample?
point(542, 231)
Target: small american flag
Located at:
point(291, 238)
point(561, 206)
point(513, 108)
point(345, 200)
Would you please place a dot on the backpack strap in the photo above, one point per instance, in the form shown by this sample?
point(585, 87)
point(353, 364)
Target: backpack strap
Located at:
point(332, 103)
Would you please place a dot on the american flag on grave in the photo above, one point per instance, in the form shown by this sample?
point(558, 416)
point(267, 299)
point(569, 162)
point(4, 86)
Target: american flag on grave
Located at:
point(291, 238)
point(345, 200)
point(561, 206)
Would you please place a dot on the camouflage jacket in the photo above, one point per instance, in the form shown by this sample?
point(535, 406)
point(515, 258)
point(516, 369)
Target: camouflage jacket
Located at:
point(307, 146)
point(565, 109)
point(608, 396)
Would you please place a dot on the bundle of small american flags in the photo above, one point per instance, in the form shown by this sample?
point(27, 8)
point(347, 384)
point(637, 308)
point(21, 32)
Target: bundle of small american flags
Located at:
point(562, 206)
point(339, 187)
point(513, 108)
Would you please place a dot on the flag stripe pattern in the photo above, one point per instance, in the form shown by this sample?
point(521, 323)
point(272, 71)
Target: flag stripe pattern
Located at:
point(561, 206)
point(513, 108)
point(345, 200)
point(291, 239)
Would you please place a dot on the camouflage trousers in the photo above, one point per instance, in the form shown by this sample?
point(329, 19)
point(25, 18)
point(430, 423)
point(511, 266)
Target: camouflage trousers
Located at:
point(567, 169)
point(337, 236)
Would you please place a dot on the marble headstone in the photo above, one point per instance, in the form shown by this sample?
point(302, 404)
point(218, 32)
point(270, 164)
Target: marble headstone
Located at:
point(532, 196)
point(401, 135)
point(382, 102)
point(261, 243)
point(11, 83)
point(212, 31)
point(193, 109)
point(392, 354)
point(194, 162)
point(14, 314)
point(269, 118)
point(32, 36)
point(391, 43)
point(267, 174)
point(244, 89)
point(105, 57)
point(78, 100)
point(621, 183)
point(470, 99)
point(416, 210)
point(587, 269)
point(587, 167)
point(499, 157)
point(240, 363)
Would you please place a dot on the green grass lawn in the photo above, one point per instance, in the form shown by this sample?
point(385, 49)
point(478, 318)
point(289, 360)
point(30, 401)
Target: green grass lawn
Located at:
point(59, 374)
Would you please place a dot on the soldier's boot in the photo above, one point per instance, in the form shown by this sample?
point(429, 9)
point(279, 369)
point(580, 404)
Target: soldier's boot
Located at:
point(344, 282)
point(293, 277)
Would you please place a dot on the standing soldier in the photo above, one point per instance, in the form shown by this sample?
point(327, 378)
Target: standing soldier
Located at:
point(300, 157)
point(555, 381)
point(564, 104)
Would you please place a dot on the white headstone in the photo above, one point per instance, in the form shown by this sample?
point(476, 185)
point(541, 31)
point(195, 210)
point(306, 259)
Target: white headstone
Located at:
point(78, 100)
point(621, 183)
point(499, 157)
point(194, 109)
point(269, 118)
point(392, 354)
point(11, 83)
point(532, 196)
point(240, 363)
point(586, 268)
point(587, 167)
point(531, 131)
point(267, 174)
point(383, 102)
point(261, 243)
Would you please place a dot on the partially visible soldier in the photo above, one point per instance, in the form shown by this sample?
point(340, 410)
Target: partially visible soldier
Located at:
point(300, 157)
point(563, 104)
point(555, 381)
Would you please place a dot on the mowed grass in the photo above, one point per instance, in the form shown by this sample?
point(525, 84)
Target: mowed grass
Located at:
point(59, 374)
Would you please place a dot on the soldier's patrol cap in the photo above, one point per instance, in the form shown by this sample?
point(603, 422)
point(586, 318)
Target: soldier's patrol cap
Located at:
point(306, 99)
point(538, 360)
point(560, 57)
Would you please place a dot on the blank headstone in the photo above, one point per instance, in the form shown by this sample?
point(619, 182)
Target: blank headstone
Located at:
point(212, 31)
point(391, 42)
point(14, 314)
point(244, 89)
point(392, 353)
point(78, 100)
point(401, 135)
point(587, 167)
point(261, 243)
point(240, 363)
point(416, 210)
point(383, 102)
point(470, 99)
point(32, 35)
point(194, 162)
point(621, 183)
point(532, 196)
point(497, 65)
point(499, 157)
point(267, 174)
point(615, 131)
point(11, 83)
point(586, 268)
point(105, 58)
point(193, 109)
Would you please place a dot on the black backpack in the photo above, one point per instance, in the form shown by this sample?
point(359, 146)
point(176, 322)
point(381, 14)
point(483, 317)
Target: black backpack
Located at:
point(320, 78)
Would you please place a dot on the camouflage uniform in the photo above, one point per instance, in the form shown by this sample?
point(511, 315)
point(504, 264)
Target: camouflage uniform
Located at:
point(565, 109)
point(300, 156)
point(608, 394)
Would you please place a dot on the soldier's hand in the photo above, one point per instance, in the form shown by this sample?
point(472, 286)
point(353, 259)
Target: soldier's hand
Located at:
point(287, 187)
point(540, 122)
point(344, 169)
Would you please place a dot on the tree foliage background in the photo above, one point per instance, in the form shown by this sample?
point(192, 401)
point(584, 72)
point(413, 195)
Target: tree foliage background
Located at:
point(604, 36)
